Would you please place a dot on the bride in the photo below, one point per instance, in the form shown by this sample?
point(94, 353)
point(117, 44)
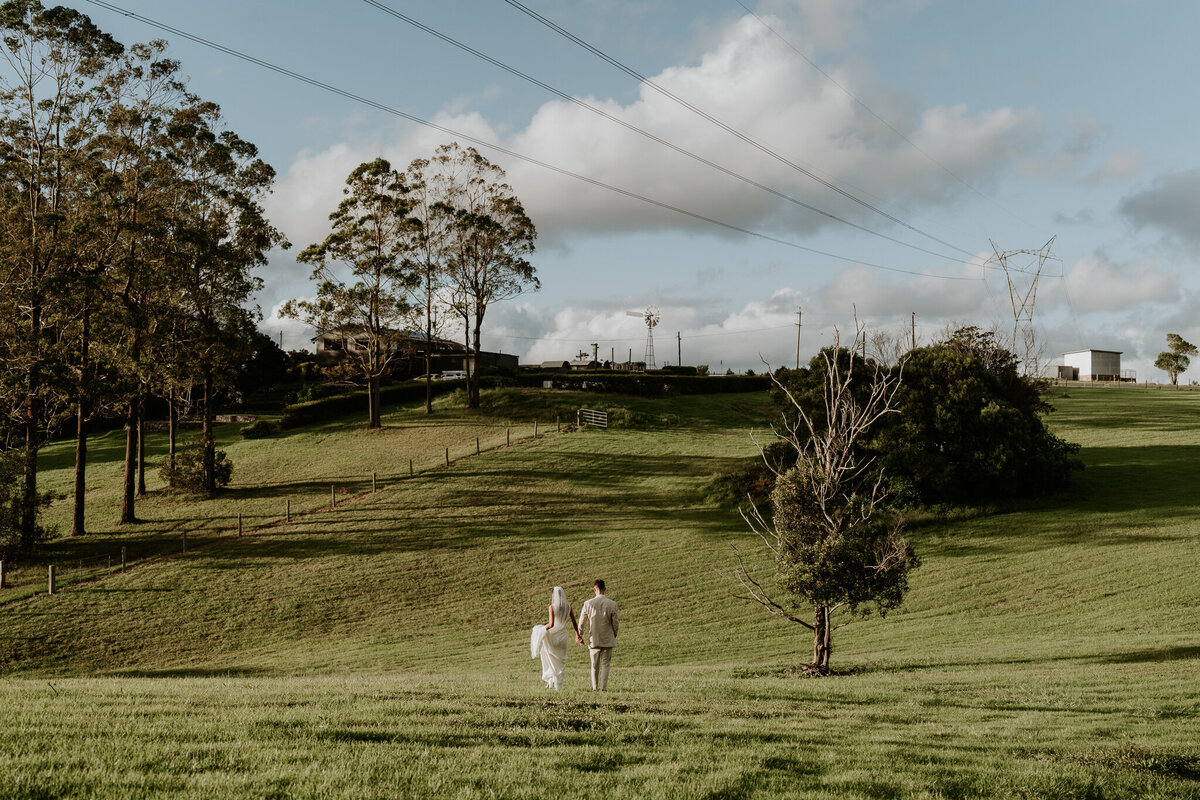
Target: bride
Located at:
point(550, 640)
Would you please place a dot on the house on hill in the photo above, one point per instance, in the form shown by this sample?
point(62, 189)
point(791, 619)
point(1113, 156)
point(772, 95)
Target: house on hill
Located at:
point(409, 347)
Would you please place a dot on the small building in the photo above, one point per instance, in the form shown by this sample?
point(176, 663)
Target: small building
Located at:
point(582, 364)
point(556, 366)
point(1094, 365)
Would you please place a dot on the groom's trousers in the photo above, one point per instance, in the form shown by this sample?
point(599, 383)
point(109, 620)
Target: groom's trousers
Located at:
point(601, 658)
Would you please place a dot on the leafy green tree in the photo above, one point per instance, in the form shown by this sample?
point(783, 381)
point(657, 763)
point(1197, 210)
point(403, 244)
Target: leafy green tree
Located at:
point(54, 62)
point(219, 235)
point(1176, 359)
point(430, 183)
point(488, 242)
point(836, 551)
point(970, 427)
point(371, 234)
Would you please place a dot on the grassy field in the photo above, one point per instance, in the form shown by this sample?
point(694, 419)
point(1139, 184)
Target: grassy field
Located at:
point(1047, 650)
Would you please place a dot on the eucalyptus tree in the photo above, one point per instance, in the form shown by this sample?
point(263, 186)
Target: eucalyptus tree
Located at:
point(52, 63)
point(429, 186)
point(131, 192)
point(489, 239)
point(364, 273)
point(219, 234)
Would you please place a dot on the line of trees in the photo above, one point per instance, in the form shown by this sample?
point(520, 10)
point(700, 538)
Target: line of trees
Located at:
point(130, 223)
point(411, 250)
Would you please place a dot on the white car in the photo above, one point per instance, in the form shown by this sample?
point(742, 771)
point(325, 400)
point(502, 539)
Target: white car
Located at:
point(453, 375)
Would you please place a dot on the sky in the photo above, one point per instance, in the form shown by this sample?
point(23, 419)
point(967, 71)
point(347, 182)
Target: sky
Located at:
point(886, 150)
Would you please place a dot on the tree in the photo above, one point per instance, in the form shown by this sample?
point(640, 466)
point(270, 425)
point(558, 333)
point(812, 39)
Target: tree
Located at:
point(54, 62)
point(836, 553)
point(1176, 359)
point(371, 229)
point(970, 427)
point(429, 185)
point(489, 239)
point(219, 235)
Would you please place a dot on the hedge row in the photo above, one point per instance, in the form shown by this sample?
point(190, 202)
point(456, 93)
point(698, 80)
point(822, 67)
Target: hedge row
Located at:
point(647, 384)
point(321, 409)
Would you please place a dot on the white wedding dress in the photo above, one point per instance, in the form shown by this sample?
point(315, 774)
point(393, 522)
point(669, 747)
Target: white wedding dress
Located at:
point(551, 643)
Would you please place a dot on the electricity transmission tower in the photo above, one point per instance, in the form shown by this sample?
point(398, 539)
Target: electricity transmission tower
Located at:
point(1022, 269)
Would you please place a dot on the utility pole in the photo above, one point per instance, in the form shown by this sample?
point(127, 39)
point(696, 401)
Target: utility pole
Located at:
point(799, 318)
point(914, 330)
point(678, 350)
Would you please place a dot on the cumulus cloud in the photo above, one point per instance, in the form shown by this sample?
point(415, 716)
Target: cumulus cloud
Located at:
point(1170, 204)
point(1096, 283)
point(746, 77)
point(294, 333)
point(1119, 165)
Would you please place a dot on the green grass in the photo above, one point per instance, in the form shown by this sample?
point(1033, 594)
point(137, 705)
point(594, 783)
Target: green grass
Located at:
point(1046, 650)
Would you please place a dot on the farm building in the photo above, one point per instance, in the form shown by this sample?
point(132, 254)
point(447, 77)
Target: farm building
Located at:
point(1093, 365)
point(446, 355)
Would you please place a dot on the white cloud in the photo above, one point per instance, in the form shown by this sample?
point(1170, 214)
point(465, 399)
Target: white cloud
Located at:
point(1098, 284)
point(296, 335)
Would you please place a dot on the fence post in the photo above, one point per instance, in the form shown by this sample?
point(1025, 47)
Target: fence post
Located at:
point(332, 498)
point(122, 558)
point(508, 436)
point(476, 445)
point(447, 456)
point(50, 581)
point(535, 429)
point(287, 514)
point(579, 418)
point(373, 483)
point(239, 523)
point(557, 423)
point(410, 468)
point(3, 582)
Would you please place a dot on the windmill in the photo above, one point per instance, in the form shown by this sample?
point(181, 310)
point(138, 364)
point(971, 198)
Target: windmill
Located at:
point(651, 317)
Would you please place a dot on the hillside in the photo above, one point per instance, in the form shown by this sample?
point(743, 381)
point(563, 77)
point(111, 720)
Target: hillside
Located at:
point(1043, 650)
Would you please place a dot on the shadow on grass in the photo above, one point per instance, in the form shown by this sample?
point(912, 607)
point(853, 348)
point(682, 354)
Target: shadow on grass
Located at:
point(191, 672)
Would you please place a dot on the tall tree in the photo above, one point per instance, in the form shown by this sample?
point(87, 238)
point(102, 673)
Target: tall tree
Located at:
point(488, 243)
point(220, 235)
point(835, 553)
point(365, 300)
point(1177, 358)
point(429, 185)
point(54, 61)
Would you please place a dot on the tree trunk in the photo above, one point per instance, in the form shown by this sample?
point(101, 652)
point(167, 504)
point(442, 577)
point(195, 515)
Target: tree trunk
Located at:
point(473, 377)
point(822, 640)
point(141, 454)
point(172, 422)
point(209, 437)
point(373, 402)
point(128, 515)
point(78, 526)
point(29, 494)
point(428, 341)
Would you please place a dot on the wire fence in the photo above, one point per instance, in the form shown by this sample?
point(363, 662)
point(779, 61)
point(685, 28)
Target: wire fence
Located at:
point(51, 575)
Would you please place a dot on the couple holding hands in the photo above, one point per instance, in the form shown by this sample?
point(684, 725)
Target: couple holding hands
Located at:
point(550, 641)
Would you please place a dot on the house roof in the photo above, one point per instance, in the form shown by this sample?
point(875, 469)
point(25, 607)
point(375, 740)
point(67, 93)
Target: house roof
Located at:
point(1092, 350)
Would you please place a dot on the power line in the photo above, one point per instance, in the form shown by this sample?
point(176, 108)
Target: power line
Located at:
point(638, 130)
point(725, 126)
point(500, 149)
point(862, 104)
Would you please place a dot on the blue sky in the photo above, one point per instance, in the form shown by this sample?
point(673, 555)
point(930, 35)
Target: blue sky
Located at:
point(1032, 119)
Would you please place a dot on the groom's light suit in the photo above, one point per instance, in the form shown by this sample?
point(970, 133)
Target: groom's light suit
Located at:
point(600, 616)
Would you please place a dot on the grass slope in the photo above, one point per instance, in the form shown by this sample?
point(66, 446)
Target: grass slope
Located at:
point(378, 651)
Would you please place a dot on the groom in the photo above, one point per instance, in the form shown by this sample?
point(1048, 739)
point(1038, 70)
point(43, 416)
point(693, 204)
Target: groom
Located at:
point(599, 614)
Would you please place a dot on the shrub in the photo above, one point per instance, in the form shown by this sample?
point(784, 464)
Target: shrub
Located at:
point(11, 475)
point(188, 475)
point(260, 429)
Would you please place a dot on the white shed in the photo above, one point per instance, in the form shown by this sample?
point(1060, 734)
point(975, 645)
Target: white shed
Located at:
point(1095, 365)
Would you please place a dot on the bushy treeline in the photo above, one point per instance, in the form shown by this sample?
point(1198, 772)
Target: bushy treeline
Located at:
point(130, 223)
point(968, 427)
